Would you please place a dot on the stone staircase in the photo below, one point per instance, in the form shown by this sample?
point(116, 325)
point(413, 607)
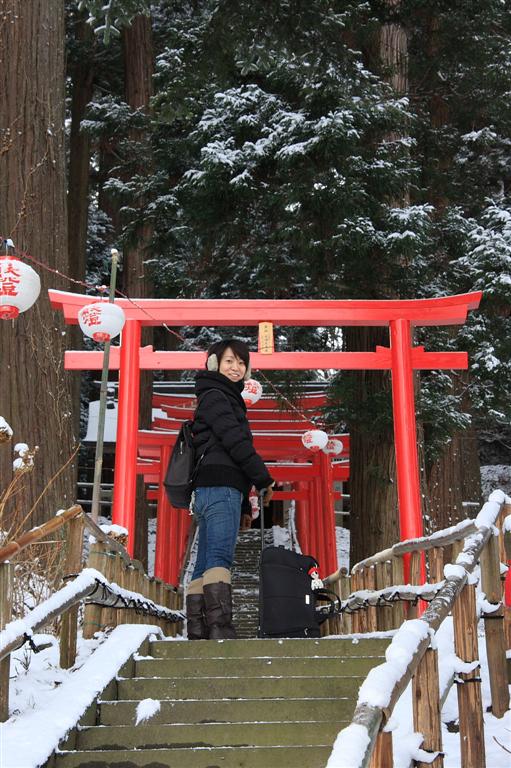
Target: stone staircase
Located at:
point(245, 581)
point(232, 703)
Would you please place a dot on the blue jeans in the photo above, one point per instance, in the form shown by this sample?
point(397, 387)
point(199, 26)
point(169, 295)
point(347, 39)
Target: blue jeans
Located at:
point(217, 511)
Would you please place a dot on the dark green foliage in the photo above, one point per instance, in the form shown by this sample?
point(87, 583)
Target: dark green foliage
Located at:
point(283, 165)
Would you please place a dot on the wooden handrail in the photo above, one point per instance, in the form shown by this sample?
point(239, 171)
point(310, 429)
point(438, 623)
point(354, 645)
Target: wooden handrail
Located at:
point(37, 533)
point(15, 633)
point(480, 531)
point(13, 548)
point(439, 539)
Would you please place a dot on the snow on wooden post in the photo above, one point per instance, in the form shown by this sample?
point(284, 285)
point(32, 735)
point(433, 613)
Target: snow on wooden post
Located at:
point(469, 683)
point(494, 628)
point(426, 707)
point(5, 618)
point(73, 565)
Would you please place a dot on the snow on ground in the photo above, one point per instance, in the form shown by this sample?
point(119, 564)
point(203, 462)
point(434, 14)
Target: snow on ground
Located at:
point(496, 730)
point(48, 701)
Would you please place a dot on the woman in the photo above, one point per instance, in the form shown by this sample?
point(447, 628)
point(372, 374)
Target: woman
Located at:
point(228, 466)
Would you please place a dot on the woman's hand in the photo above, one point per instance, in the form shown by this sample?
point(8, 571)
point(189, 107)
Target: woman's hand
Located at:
point(268, 493)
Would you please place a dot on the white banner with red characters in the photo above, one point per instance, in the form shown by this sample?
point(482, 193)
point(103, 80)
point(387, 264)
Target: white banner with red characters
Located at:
point(315, 440)
point(19, 287)
point(101, 321)
point(252, 391)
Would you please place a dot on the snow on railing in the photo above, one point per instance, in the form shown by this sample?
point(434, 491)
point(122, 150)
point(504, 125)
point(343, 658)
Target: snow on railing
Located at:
point(405, 656)
point(89, 586)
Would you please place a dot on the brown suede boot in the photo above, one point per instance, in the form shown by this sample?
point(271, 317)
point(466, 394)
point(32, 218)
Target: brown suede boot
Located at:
point(196, 626)
point(218, 600)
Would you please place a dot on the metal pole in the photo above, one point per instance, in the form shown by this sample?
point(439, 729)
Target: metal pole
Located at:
point(98, 462)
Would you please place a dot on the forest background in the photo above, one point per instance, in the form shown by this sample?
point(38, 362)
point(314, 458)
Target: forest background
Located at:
point(319, 149)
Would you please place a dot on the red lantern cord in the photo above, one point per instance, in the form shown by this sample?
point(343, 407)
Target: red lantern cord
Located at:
point(99, 288)
point(122, 295)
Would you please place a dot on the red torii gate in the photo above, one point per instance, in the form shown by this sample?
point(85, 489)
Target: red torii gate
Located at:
point(315, 498)
point(401, 358)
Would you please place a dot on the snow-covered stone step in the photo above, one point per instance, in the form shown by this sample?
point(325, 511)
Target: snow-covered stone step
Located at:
point(269, 666)
point(183, 649)
point(200, 757)
point(148, 736)
point(224, 711)
point(300, 686)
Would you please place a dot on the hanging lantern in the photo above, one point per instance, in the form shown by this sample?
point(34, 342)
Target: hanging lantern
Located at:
point(252, 392)
point(101, 321)
point(315, 440)
point(19, 287)
point(333, 447)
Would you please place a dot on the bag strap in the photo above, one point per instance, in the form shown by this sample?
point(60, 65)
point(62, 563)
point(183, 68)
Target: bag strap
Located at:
point(335, 603)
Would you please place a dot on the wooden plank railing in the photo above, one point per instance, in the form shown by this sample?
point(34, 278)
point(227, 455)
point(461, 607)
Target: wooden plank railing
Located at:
point(473, 541)
point(117, 591)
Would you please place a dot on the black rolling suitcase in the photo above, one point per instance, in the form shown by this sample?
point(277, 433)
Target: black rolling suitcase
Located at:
point(287, 602)
point(289, 590)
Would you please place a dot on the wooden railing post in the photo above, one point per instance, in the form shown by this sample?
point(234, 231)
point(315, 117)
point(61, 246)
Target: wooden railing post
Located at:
point(372, 619)
point(398, 577)
point(346, 618)
point(494, 628)
point(356, 584)
point(436, 564)
point(73, 565)
point(382, 756)
point(5, 618)
point(92, 613)
point(416, 560)
point(469, 684)
point(505, 556)
point(426, 707)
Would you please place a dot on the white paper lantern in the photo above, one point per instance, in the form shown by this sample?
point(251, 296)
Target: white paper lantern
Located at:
point(252, 391)
point(102, 320)
point(19, 287)
point(315, 440)
point(333, 447)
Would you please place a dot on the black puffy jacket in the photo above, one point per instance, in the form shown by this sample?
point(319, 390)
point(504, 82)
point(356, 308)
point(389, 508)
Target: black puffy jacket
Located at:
point(232, 459)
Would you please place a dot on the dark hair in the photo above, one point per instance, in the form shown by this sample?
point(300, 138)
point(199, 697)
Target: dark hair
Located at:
point(239, 348)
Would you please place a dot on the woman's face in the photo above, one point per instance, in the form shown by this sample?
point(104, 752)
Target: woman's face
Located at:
point(232, 366)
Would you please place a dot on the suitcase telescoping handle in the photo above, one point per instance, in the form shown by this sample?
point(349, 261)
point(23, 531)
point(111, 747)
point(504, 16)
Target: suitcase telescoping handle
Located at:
point(261, 515)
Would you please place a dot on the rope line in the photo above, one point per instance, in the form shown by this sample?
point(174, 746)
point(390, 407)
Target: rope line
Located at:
point(103, 289)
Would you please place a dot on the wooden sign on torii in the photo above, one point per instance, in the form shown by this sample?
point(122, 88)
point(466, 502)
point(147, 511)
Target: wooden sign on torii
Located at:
point(401, 358)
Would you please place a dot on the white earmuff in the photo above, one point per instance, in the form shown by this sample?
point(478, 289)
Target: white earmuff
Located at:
point(212, 363)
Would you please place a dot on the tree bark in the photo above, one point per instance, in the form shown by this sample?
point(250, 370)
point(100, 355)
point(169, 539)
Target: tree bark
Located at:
point(374, 522)
point(138, 71)
point(455, 475)
point(82, 75)
point(374, 519)
point(35, 390)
